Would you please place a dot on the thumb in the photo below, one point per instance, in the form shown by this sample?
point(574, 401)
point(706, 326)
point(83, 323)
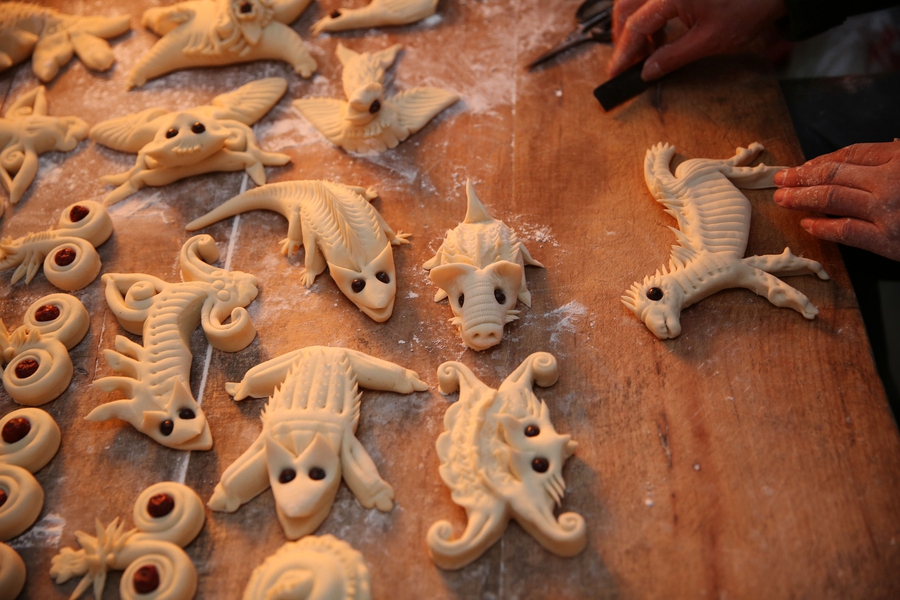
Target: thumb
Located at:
point(691, 46)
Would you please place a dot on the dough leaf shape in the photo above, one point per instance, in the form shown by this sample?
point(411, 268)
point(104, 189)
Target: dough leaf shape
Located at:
point(378, 13)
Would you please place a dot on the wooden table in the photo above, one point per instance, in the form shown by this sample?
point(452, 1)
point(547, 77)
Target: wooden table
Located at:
point(752, 457)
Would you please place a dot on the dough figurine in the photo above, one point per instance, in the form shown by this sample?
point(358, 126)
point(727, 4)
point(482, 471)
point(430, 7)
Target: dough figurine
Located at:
point(378, 13)
point(53, 37)
point(38, 366)
point(156, 376)
point(338, 229)
point(502, 459)
point(167, 517)
point(481, 267)
point(308, 439)
point(29, 438)
point(67, 252)
point(174, 145)
point(25, 132)
point(213, 33)
point(369, 121)
point(320, 568)
point(714, 222)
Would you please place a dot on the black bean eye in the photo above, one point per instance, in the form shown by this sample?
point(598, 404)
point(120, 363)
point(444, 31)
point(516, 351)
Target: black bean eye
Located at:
point(383, 277)
point(246, 7)
point(198, 127)
point(375, 106)
point(540, 465)
point(171, 133)
point(532, 430)
point(335, 14)
point(287, 476)
point(317, 473)
point(461, 300)
point(166, 427)
point(186, 413)
point(654, 294)
point(499, 296)
point(358, 285)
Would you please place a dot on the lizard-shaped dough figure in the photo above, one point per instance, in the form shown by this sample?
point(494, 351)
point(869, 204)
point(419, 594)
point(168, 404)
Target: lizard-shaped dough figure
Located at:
point(308, 442)
point(338, 228)
point(27, 131)
point(481, 266)
point(212, 33)
point(53, 37)
point(713, 227)
point(174, 145)
point(369, 121)
point(378, 13)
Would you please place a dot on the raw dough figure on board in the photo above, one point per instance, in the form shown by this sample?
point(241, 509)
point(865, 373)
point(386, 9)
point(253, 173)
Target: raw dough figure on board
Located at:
point(378, 13)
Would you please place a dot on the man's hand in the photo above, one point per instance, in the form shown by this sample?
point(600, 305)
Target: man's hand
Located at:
point(860, 183)
point(714, 27)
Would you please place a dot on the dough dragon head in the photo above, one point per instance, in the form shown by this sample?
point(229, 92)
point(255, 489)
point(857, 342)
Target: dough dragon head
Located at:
point(180, 424)
point(657, 302)
point(373, 287)
point(365, 104)
point(187, 139)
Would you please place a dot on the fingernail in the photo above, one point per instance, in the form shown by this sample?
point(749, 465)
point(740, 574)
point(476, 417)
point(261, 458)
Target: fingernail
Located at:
point(779, 177)
point(780, 196)
point(651, 71)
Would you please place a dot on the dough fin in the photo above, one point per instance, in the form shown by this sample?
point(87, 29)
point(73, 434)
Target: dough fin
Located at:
point(326, 115)
point(418, 106)
point(129, 133)
point(475, 211)
point(249, 103)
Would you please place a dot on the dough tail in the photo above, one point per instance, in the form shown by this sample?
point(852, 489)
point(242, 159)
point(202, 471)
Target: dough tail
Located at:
point(276, 197)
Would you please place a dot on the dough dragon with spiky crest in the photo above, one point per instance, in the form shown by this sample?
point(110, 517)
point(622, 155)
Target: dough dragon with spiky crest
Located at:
point(713, 227)
point(378, 13)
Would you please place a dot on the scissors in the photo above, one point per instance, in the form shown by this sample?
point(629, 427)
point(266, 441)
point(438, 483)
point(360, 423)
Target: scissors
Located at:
point(594, 18)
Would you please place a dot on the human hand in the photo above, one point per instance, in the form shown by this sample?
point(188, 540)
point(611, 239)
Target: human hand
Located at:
point(860, 183)
point(714, 27)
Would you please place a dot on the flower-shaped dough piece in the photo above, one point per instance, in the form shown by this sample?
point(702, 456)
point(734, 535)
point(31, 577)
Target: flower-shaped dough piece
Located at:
point(378, 13)
point(212, 33)
point(174, 145)
point(369, 121)
point(27, 131)
point(53, 37)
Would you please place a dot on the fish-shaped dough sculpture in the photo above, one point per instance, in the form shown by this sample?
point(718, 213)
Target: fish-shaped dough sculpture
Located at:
point(338, 229)
point(212, 33)
point(379, 13)
point(369, 121)
point(27, 131)
point(174, 145)
point(51, 38)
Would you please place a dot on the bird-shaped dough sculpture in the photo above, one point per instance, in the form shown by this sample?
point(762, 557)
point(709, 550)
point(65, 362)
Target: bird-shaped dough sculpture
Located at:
point(51, 38)
point(379, 13)
point(368, 121)
point(174, 145)
point(212, 33)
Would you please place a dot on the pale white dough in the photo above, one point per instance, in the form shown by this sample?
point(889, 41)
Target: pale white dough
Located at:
point(480, 263)
point(308, 441)
point(713, 227)
point(501, 458)
point(377, 13)
point(156, 376)
point(12, 573)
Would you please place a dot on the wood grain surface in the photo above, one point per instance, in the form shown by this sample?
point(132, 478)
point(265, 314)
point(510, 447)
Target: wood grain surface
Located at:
point(752, 457)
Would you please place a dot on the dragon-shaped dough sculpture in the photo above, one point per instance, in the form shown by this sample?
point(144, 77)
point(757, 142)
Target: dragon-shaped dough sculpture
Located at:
point(308, 439)
point(713, 227)
point(29, 438)
point(369, 121)
point(27, 131)
point(174, 145)
point(68, 252)
point(38, 366)
point(313, 568)
point(501, 458)
point(212, 33)
point(338, 229)
point(481, 267)
point(156, 376)
point(167, 516)
point(378, 13)
point(53, 37)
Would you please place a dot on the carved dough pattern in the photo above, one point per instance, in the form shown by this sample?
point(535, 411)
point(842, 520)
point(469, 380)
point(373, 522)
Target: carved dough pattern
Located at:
point(481, 266)
point(501, 458)
point(67, 252)
point(369, 121)
point(208, 33)
point(313, 568)
point(151, 555)
point(157, 375)
point(38, 366)
point(378, 13)
point(338, 229)
point(53, 37)
point(174, 145)
point(27, 131)
point(713, 227)
point(308, 439)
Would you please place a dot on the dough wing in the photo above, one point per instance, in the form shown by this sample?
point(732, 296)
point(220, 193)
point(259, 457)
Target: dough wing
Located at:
point(417, 106)
point(250, 102)
point(129, 133)
point(326, 114)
